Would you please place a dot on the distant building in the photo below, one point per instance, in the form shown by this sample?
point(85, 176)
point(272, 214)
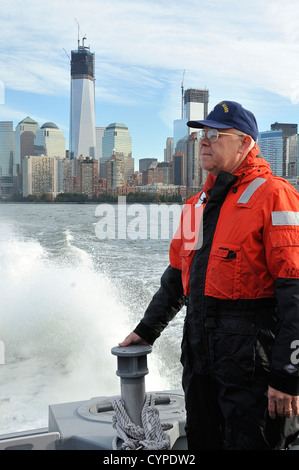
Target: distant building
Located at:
point(64, 174)
point(145, 163)
point(180, 131)
point(292, 152)
point(115, 172)
point(151, 175)
point(181, 148)
point(99, 143)
point(116, 141)
point(165, 172)
point(196, 103)
point(89, 177)
point(24, 141)
point(290, 147)
point(168, 151)
point(82, 114)
point(7, 148)
point(194, 172)
point(271, 146)
point(178, 169)
point(49, 140)
point(40, 175)
point(82, 177)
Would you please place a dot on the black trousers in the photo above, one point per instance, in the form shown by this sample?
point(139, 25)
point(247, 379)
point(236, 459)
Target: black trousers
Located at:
point(232, 417)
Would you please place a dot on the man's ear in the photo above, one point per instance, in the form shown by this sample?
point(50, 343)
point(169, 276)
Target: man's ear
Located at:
point(246, 144)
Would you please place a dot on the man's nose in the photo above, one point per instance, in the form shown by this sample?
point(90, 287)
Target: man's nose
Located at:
point(204, 141)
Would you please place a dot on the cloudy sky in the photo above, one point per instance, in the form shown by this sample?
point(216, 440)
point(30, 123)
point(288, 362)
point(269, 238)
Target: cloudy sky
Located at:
point(241, 50)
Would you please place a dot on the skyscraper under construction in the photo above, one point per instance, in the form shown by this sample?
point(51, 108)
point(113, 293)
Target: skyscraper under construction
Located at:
point(196, 103)
point(82, 113)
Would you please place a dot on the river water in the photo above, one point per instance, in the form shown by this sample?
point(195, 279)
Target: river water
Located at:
point(74, 280)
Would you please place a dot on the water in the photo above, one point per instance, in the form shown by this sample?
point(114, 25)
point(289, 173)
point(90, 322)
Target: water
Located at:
point(67, 298)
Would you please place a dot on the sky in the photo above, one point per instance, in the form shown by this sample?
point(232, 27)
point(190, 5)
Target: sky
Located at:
point(240, 50)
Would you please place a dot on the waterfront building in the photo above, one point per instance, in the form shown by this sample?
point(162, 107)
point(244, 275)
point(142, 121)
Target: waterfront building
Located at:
point(178, 169)
point(115, 172)
point(181, 149)
point(49, 140)
point(194, 173)
point(128, 167)
point(89, 177)
point(99, 144)
point(40, 175)
point(289, 147)
point(292, 152)
point(151, 176)
point(165, 172)
point(168, 151)
point(145, 163)
point(271, 146)
point(81, 176)
point(165, 189)
point(24, 141)
point(7, 146)
point(117, 141)
point(64, 174)
point(82, 113)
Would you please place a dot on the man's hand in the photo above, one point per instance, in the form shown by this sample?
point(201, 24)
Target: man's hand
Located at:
point(132, 338)
point(282, 404)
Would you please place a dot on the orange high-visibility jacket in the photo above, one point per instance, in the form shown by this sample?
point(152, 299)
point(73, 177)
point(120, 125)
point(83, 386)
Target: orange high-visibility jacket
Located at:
point(256, 239)
point(235, 258)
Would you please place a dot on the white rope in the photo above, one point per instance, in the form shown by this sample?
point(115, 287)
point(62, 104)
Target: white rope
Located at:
point(149, 437)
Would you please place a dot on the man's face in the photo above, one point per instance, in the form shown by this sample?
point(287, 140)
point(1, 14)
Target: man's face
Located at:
point(224, 154)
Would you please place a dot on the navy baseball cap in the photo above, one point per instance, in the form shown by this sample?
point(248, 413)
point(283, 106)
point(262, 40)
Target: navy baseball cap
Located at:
point(228, 114)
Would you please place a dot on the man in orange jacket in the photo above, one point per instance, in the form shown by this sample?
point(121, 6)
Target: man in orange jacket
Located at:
point(234, 262)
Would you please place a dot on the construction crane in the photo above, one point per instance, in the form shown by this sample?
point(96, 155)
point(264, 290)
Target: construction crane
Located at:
point(66, 53)
point(182, 87)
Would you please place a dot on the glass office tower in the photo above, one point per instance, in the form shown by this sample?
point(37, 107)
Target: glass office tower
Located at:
point(6, 158)
point(49, 140)
point(116, 140)
point(271, 145)
point(290, 146)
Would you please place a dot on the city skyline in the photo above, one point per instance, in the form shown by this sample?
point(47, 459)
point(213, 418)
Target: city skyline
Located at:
point(141, 50)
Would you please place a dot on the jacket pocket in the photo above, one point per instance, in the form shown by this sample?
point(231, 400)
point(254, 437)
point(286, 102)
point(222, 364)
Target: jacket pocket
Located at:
point(186, 353)
point(232, 350)
point(283, 257)
point(224, 272)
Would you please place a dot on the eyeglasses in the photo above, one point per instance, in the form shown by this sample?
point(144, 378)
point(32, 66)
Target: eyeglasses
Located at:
point(212, 134)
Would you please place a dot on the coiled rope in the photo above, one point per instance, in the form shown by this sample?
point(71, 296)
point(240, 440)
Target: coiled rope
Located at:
point(149, 437)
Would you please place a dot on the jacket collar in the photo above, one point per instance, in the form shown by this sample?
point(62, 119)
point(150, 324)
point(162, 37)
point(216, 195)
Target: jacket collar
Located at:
point(254, 164)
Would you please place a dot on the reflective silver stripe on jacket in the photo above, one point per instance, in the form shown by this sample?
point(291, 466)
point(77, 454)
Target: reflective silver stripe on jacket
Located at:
point(250, 190)
point(285, 218)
